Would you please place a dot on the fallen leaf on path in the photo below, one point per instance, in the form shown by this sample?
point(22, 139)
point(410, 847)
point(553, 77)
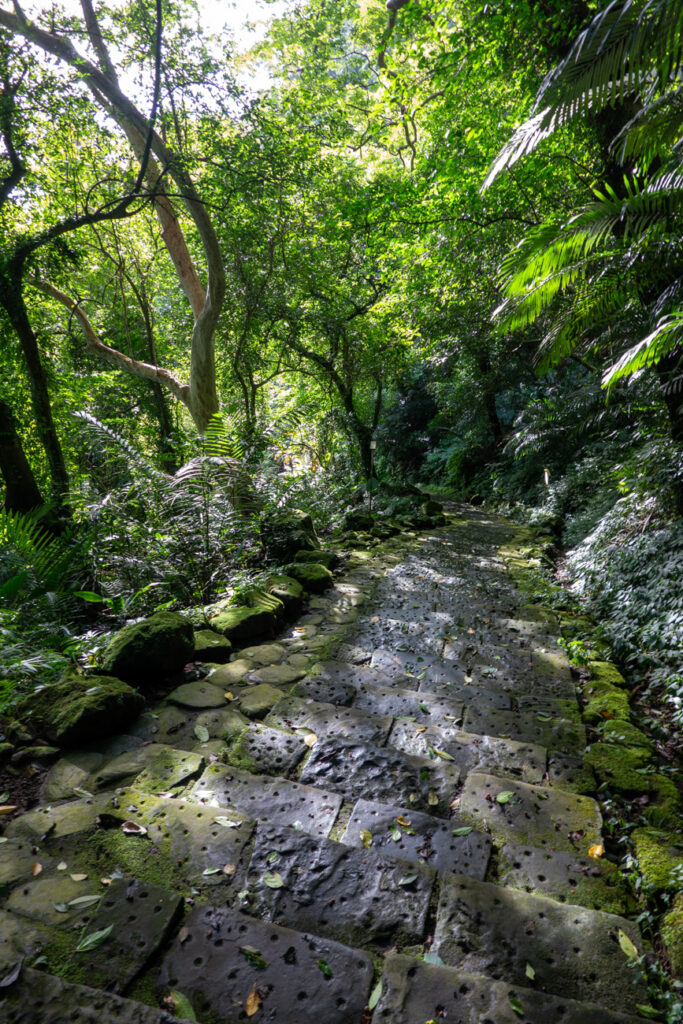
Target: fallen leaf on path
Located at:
point(273, 879)
point(62, 866)
point(36, 869)
point(366, 838)
point(596, 851)
point(375, 995)
point(505, 796)
point(254, 1000)
point(8, 809)
point(311, 739)
point(78, 878)
point(627, 946)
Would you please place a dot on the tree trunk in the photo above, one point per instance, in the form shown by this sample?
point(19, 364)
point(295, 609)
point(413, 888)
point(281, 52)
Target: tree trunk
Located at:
point(22, 493)
point(12, 301)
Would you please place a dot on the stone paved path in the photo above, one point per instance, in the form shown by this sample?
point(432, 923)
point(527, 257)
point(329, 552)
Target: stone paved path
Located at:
point(396, 818)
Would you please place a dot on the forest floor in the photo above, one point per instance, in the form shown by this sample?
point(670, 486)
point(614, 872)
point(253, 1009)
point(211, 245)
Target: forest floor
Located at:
point(397, 832)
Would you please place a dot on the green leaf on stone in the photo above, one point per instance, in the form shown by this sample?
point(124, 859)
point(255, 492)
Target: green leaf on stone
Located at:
point(627, 946)
point(516, 1006)
point(423, 707)
point(94, 940)
point(433, 958)
point(82, 792)
point(395, 833)
point(227, 823)
point(648, 1012)
point(375, 995)
point(325, 968)
point(4, 839)
point(182, 1007)
point(84, 901)
point(464, 831)
point(544, 718)
point(202, 733)
point(273, 879)
point(272, 857)
point(407, 880)
point(4, 797)
point(254, 957)
point(61, 908)
point(505, 796)
point(211, 871)
point(366, 838)
point(530, 972)
point(443, 754)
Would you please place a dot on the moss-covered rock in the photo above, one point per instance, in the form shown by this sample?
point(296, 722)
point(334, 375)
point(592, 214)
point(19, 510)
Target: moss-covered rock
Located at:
point(672, 936)
point(625, 734)
point(145, 652)
point(6, 751)
point(666, 807)
point(78, 709)
point(329, 559)
point(357, 520)
point(659, 860)
point(620, 767)
point(256, 701)
point(243, 623)
point(604, 702)
point(284, 534)
point(432, 508)
point(313, 577)
point(604, 672)
point(288, 590)
point(211, 646)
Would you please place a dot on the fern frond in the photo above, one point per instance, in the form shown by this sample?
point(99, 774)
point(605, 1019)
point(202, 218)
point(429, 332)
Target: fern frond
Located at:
point(112, 438)
point(665, 338)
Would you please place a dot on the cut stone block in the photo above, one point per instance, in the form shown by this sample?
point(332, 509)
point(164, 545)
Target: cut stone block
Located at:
point(349, 894)
point(39, 998)
point(272, 800)
point(424, 707)
point(276, 675)
point(201, 839)
point(570, 773)
point(415, 836)
point(551, 707)
point(239, 623)
point(198, 695)
point(414, 992)
point(467, 694)
point(267, 751)
point(38, 899)
point(585, 881)
point(487, 929)
point(263, 654)
point(48, 823)
point(548, 818)
point(142, 916)
point(556, 734)
point(362, 771)
point(154, 767)
point(327, 691)
point(224, 956)
point(330, 720)
point(17, 857)
point(472, 753)
point(68, 773)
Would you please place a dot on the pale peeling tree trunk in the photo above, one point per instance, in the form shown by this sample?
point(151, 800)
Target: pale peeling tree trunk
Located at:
point(199, 395)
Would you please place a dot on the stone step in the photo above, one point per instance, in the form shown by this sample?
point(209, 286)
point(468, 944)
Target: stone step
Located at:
point(574, 952)
point(470, 751)
point(329, 720)
point(418, 837)
point(413, 991)
point(526, 727)
point(515, 812)
point(228, 965)
point(425, 708)
point(354, 895)
point(363, 771)
point(268, 799)
point(267, 751)
point(39, 998)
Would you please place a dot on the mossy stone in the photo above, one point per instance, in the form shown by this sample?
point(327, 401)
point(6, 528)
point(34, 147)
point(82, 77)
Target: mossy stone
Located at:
point(311, 576)
point(619, 767)
point(288, 590)
point(357, 521)
point(78, 709)
point(327, 558)
point(6, 751)
point(672, 936)
point(432, 508)
point(605, 702)
point(240, 623)
point(667, 807)
point(211, 646)
point(605, 672)
point(284, 534)
point(258, 597)
point(625, 734)
point(258, 700)
point(660, 862)
point(156, 648)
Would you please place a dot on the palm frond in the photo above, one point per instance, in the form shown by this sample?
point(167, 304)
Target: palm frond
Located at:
point(666, 337)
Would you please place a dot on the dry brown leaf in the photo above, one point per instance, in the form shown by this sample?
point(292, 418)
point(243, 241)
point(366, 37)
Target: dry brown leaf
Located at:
point(229, 869)
point(253, 1002)
point(36, 869)
point(183, 934)
point(228, 695)
point(375, 618)
point(8, 809)
point(596, 851)
point(105, 881)
point(420, 728)
point(131, 828)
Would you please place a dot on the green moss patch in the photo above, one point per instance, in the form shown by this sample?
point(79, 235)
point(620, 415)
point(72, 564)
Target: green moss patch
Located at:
point(157, 647)
point(625, 734)
point(659, 859)
point(311, 576)
point(604, 701)
point(605, 672)
point(242, 623)
point(620, 767)
point(672, 935)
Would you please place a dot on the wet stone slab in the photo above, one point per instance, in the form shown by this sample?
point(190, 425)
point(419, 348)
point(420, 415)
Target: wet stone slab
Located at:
point(570, 773)
point(414, 992)
point(326, 690)
point(17, 858)
point(349, 894)
point(424, 707)
point(206, 844)
point(488, 929)
point(268, 751)
point(142, 916)
point(363, 771)
point(224, 956)
point(57, 900)
point(471, 752)
point(39, 998)
point(330, 720)
point(567, 877)
point(19, 938)
point(466, 693)
point(51, 823)
point(155, 765)
point(266, 799)
point(262, 654)
point(404, 832)
point(547, 818)
point(553, 734)
point(275, 675)
point(69, 773)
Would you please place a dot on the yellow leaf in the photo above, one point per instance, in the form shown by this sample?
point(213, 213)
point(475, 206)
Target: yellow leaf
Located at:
point(253, 1002)
point(627, 946)
point(78, 878)
point(366, 838)
point(403, 821)
point(596, 851)
point(432, 798)
point(62, 866)
point(36, 869)
point(229, 869)
point(420, 728)
point(229, 696)
point(8, 809)
point(311, 739)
